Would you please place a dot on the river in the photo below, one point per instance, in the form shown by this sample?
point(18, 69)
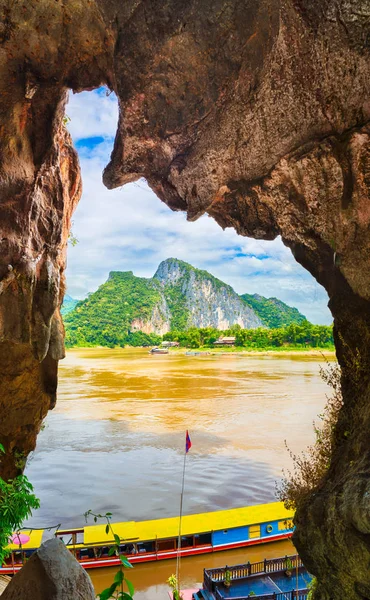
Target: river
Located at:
point(115, 441)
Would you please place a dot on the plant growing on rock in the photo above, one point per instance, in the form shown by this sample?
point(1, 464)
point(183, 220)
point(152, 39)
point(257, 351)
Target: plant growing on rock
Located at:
point(16, 504)
point(310, 467)
point(116, 589)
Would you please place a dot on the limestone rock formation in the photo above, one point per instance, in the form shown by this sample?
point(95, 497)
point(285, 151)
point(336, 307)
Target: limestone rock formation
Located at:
point(52, 573)
point(256, 112)
point(201, 300)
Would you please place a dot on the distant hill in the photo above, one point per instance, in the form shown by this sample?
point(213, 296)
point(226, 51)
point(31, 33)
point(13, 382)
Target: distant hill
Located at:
point(68, 304)
point(122, 306)
point(133, 310)
point(273, 312)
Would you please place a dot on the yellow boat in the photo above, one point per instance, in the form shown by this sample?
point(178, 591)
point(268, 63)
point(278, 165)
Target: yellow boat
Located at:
point(144, 541)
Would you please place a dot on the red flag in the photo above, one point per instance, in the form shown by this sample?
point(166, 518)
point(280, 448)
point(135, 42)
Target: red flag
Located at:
point(188, 442)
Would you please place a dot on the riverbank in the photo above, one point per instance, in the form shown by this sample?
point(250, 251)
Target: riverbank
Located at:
point(241, 351)
point(229, 350)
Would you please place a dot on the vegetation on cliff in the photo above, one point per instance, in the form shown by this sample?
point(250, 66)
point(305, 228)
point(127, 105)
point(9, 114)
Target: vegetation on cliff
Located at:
point(310, 467)
point(273, 312)
point(105, 317)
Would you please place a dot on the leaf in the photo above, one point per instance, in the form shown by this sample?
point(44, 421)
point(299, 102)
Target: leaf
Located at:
point(107, 529)
point(124, 596)
point(96, 519)
point(131, 588)
point(108, 514)
point(117, 539)
point(112, 551)
point(107, 594)
point(119, 577)
point(125, 562)
point(2, 449)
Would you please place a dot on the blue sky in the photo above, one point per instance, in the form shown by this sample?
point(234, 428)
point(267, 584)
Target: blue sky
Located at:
point(130, 229)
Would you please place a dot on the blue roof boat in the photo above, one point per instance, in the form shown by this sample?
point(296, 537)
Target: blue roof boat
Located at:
point(283, 578)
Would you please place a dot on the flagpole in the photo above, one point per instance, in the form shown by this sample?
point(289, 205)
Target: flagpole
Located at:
point(179, 538)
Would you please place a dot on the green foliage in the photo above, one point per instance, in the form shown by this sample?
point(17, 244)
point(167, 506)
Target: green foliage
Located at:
point(105, 317)
point(16, 504)
point(176, 300)
point(310, 467)
point(312, 586)
point(273, 312)
point(174, 585)
point(227, 578)
point(117, 588)
point(302, 336)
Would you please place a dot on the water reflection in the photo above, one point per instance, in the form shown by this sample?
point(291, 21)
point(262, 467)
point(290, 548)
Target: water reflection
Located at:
point(115, 440)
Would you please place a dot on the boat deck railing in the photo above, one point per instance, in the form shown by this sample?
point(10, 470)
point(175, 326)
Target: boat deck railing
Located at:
point(269, 565)
point(293, 595)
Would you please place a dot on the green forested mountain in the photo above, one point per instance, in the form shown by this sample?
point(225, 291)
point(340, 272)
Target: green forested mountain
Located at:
point(129, 310)
point(68, 304)
point(273, 312)
point(115, 314)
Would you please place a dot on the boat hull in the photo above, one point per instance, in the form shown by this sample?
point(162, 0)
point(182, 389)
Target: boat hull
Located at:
point(152, 557)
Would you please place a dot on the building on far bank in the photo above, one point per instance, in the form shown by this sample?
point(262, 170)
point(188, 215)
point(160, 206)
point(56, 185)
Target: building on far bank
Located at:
point(170, 344)
point(225, 341)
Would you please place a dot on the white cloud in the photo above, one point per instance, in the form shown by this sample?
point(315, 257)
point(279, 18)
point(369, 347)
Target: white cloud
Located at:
point(92, 114)
point(130, 229)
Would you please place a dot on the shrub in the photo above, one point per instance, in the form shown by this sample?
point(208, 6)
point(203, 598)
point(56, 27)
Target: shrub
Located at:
point(16, 503)
point(309, 467)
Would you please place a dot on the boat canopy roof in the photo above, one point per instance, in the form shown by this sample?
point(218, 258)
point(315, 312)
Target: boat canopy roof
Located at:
point(137, 531)
point(26, 539)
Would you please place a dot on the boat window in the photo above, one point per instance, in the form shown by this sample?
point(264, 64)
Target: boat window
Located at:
point(165, 545)
point(80, 537)
point(205, 539)
point(18, 558)
point(105, 551)
point(145, 547)
point(254, 531)
point(84, 553)
point(186, 542)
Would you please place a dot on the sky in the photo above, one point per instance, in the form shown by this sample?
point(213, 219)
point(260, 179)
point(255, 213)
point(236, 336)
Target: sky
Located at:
point(130, 229)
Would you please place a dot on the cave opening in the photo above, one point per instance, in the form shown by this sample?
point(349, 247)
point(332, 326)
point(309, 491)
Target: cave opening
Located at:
point(93, 428)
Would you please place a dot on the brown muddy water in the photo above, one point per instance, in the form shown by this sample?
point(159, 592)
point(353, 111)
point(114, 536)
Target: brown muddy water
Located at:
point(115, 442)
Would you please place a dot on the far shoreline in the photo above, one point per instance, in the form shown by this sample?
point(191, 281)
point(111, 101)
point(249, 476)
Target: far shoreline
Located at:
point(204, 351)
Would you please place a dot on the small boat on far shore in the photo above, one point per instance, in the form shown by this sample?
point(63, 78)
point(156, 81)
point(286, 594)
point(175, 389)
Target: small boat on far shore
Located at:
point(157, 350)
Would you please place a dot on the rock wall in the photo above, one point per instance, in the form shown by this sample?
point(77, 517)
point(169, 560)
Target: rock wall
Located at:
point(256, 112)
